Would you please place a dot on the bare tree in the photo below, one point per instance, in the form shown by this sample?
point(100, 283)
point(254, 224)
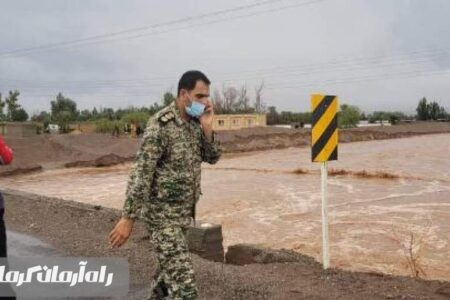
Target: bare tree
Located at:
point(413, 245)
point(259, 106)
point(230, 95)
point(217, 101)
point(243, 102)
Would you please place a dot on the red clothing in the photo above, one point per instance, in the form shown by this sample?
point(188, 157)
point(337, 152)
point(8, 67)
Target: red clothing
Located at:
point(6, 153)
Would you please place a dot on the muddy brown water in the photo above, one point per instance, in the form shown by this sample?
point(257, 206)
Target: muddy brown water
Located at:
point(376, 224)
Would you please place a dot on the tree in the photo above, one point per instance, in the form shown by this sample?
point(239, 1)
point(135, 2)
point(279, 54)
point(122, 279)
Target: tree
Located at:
point(349, 116)
point(136, 117)
point(272, 116)
point(442, 113)
point(19, 115)
point(230, 95)
point(168, 98)
point(433, 110)
point(94, 113)
point(84, 115)
point(2, 106)
point(107, 113)
point(12, 104)
point(422, 110)
point(43, 117)
point(154, 108)
point(259, 106)
point(218, 102)
point(63, 110)
point(242, 106)
point(378, 116)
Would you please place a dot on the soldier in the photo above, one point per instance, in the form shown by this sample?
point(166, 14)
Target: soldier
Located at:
point(164, 185)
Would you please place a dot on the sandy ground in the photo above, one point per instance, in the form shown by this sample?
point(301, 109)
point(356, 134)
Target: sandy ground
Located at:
point(80, 230)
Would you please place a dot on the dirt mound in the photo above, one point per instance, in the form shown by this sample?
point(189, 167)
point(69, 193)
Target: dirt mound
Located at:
point(51, 151)
point(244, 254)
point(20, 171)
point(103, 161)
point(263, 138)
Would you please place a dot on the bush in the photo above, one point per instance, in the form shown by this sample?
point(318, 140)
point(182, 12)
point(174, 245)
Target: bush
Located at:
point(105, 125)
point(137, 117)
point(349, 116)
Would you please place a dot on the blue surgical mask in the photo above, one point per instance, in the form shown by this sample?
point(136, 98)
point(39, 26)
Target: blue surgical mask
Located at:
point(196, 109)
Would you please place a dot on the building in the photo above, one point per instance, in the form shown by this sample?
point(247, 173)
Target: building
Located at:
point(18, 129)
point(238, 121)
point(53, 128)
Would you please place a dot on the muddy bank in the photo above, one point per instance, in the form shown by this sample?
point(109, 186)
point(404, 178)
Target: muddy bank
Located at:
point(96, 150)
point(103, 161)
point(265, 138)
point(81, 230)
point(54, 151)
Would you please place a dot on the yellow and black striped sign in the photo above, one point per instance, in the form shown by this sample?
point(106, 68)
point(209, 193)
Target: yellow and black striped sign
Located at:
point(324, 133)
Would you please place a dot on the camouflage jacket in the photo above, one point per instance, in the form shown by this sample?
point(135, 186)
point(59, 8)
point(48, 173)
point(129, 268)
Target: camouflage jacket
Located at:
point(164, 184)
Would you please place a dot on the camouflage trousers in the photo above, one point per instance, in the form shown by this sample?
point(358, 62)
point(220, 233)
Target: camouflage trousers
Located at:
point(174, 278)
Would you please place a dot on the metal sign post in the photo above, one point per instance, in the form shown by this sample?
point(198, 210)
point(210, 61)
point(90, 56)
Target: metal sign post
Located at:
point(324, 143)
point(325, 239)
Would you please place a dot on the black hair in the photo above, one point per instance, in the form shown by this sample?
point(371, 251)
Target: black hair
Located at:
point(189, 79)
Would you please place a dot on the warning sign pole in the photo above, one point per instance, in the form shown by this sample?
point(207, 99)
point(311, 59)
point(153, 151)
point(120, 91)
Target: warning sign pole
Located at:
point(324, 148)
point(325, 239)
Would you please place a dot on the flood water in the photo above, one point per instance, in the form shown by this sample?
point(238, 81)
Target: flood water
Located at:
point(376, 223)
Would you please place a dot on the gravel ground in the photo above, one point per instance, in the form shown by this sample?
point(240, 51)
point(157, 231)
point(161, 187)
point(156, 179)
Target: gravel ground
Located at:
point(81, 230)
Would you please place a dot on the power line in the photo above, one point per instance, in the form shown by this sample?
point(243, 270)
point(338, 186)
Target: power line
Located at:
point(398, 75)
point(407, 58)
point(300, 85)
point(122, 35)
point(288, 74)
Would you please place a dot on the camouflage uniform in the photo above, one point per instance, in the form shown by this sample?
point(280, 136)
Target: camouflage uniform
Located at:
point(164, 187)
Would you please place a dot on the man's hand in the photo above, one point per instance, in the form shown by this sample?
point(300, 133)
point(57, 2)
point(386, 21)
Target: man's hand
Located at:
point(206, 119)
point(121, 232)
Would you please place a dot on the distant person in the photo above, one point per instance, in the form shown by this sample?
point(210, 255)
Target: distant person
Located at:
point(164, 185)
point(133, 130)
point(6, 157)
point(116, 130)
point(138, 130)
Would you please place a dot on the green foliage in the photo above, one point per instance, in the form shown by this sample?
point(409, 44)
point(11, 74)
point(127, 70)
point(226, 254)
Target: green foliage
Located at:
point(12, 102)
point(19, 115)
point(348, 116)
point(84, 115)
point(106, 125)
point(2, 107)
point(138, 117)
point(43, 118)
point(422, 110)
point(272, 116)
point(63, 111)
point(430, 111)
point(433, 110)
point(286, 117)
point(168, 98)
point(392, 117)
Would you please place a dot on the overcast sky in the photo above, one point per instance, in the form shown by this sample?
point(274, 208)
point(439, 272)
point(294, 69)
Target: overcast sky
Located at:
point(376, 54)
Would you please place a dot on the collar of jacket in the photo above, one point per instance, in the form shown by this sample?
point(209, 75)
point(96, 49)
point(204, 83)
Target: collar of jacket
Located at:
point(174, 109)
